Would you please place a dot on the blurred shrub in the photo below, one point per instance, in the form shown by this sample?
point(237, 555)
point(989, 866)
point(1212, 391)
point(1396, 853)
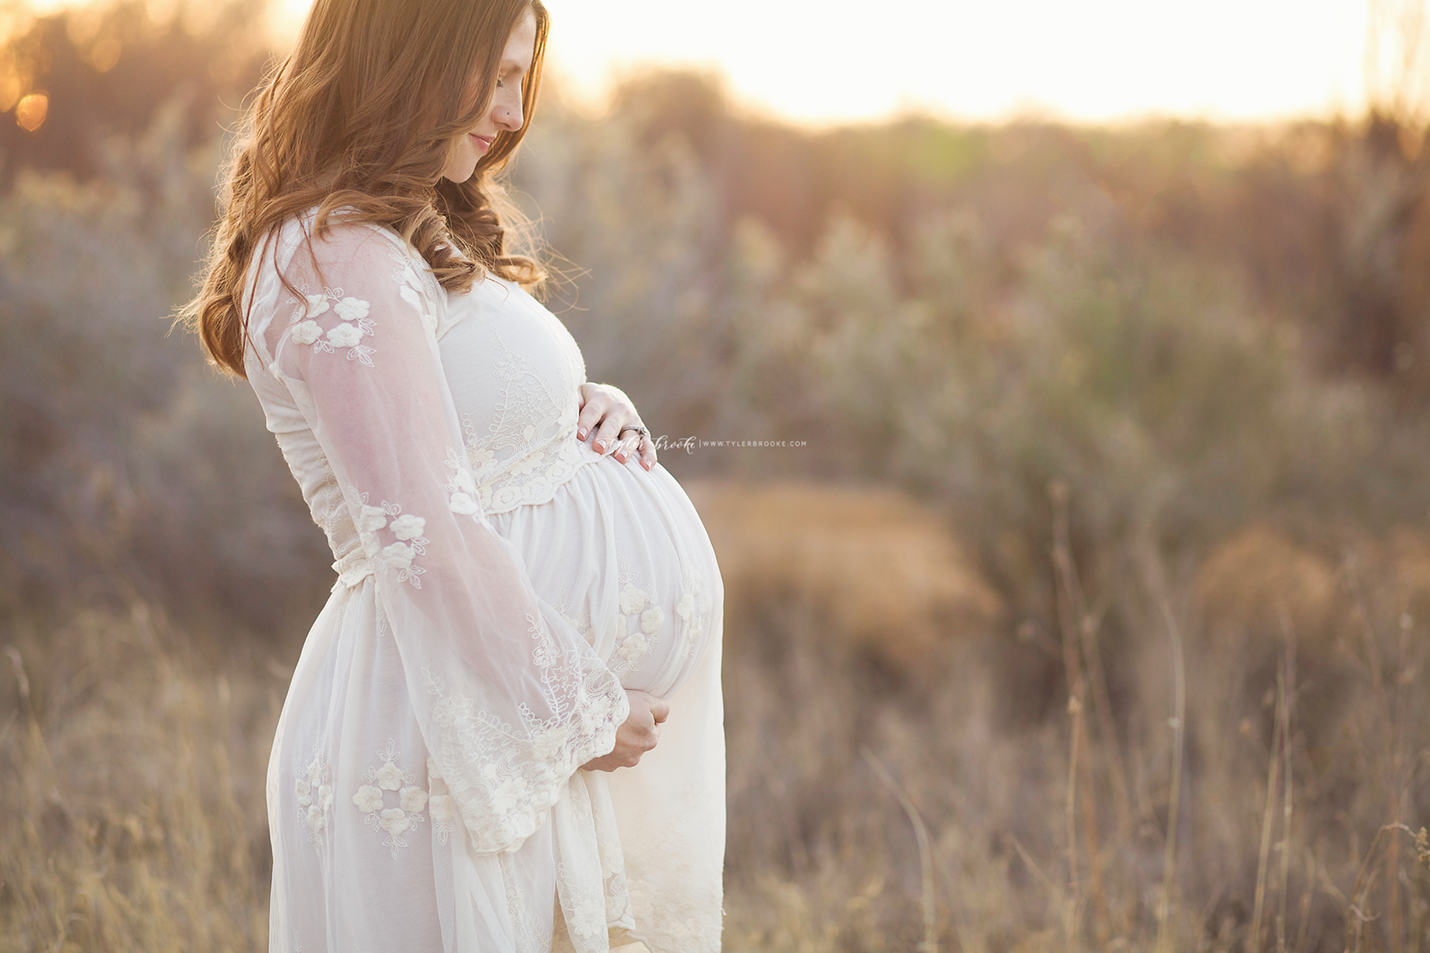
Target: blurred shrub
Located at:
point(1124, 311)
point(126, 466)
point(1152, 385)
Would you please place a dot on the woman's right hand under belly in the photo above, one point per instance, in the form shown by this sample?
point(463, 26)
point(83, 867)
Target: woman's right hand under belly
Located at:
point(638, 734)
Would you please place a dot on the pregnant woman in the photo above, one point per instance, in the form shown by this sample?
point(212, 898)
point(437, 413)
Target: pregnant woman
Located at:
point(466, 758)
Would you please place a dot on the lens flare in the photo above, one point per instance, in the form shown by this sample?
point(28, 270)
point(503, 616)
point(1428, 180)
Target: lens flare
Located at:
point(31, 110)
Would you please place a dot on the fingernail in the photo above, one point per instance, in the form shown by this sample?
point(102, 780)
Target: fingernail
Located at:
point(621, 455)
point(600, 446)
point(581, 434)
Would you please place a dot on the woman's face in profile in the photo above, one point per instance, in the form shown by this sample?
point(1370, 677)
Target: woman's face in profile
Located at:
point(504, 112)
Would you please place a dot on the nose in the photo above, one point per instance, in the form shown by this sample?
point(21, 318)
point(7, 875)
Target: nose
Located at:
point(507, 109)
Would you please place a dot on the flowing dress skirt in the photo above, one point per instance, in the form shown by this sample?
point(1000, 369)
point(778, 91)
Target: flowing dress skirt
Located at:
point(367, 854)
point(622, 554)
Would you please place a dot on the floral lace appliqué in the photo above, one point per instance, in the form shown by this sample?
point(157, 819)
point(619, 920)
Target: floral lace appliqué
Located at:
point(314, 789)
point(639, 622)
point(694, 609)
point(461, 488)
point(375, 795)
point(581, 623)
point(412, 289)
point(353, 325)
point(440, 806)
point(409, 543)
point(588, 919)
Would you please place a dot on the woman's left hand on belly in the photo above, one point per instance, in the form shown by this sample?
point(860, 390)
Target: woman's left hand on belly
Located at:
point(608, 412)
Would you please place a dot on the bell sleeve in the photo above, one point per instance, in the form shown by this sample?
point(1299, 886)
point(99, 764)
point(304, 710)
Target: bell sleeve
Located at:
point(510, 699)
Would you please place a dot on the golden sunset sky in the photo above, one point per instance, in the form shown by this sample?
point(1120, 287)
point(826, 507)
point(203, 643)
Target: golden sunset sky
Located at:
point(1082, 60)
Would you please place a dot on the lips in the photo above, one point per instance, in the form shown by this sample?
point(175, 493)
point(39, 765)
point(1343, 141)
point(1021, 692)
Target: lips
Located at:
point(483, 142)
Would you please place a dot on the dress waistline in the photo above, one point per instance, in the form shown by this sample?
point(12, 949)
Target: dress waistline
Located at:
point(352, 569)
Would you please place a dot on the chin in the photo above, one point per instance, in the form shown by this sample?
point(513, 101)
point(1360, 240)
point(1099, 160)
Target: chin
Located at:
point(458, 176)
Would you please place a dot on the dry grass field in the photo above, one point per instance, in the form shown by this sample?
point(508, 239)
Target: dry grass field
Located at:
point(890, 788)
point(132, 789)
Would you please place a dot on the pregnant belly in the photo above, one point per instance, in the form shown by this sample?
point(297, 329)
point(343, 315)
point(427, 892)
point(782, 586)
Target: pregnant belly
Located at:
point(622, 556)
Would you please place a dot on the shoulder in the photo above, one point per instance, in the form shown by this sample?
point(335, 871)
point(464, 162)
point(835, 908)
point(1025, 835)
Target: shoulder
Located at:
point(347, 260)
point(341, 242)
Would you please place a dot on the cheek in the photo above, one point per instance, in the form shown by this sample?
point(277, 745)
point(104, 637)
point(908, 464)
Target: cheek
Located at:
point(461, 161)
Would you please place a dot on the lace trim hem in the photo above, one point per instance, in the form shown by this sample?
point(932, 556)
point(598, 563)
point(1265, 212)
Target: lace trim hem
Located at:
point(503, 787)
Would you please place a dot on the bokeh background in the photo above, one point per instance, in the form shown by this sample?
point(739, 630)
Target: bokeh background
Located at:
point(1091, 610)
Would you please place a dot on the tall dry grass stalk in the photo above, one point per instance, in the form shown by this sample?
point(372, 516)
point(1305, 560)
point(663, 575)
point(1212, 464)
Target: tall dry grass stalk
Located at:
point(1079, 644)
point(1156, 582)
point(1278, 777)
point(930, 941)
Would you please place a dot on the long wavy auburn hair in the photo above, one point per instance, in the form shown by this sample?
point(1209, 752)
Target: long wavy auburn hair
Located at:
point(361, 116)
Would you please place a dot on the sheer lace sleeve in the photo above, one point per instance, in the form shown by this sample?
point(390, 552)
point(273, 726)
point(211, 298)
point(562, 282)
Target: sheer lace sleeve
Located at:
point(509, 698)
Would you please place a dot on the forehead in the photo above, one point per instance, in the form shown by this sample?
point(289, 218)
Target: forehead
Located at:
point(521, 45)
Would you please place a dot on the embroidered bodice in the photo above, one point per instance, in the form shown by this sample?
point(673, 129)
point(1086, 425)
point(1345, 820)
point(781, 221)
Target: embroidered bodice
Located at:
point(515, 373)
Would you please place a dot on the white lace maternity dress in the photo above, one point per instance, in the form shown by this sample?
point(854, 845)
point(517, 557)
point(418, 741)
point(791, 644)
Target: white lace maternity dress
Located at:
point(499, 582)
